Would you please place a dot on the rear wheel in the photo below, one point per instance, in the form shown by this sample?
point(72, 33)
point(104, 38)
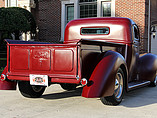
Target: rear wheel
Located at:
point(30, 91)
point(68, 87)
point(117, 96)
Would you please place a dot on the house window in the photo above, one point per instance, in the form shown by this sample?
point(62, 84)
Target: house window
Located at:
point(88, 8)
point(75, 9)
point(69, 13)
point(106, 9)
point(11, 3)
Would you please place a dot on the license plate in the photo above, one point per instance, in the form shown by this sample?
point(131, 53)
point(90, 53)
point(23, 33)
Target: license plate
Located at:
point(38, 80)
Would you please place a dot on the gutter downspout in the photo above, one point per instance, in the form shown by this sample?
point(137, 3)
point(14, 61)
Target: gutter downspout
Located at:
point(149, 27)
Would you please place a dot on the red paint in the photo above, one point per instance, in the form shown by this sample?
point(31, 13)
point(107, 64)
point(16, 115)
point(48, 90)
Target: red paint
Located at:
point(64, 58)
point(40, 60)
point(54, 61)
point(7, 85)
point(84, 82)
point(3, 77)
point(120, 29)
point(101, 82)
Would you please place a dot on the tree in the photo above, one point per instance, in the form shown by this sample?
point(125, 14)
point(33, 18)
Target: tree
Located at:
point(16, 21)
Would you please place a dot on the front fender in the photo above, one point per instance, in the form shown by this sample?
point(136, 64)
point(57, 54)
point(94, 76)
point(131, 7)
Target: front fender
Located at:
point(102, 80)
point(148, 67)
point(6, 84)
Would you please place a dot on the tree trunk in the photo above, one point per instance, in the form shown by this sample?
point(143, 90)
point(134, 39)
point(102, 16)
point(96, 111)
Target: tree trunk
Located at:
point(17, 35)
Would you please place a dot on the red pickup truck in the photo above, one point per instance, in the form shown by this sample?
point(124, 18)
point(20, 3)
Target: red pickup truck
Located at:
point(101, 54)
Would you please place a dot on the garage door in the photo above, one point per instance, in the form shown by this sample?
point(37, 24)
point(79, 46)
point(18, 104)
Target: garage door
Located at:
point(154, 42)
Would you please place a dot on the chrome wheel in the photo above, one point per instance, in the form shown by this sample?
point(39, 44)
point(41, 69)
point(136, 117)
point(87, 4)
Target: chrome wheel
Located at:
point(155, 81)
point(117, 96)
point(118, 85)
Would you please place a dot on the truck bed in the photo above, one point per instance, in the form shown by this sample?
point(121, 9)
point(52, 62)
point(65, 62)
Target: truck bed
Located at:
point(58, 61)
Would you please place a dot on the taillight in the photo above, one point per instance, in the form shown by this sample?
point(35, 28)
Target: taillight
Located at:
point(3, 77)
point(83, 81)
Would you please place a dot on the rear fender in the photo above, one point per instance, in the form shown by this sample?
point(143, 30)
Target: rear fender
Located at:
point(6, 84)
point(148, 67)
point(102, 80)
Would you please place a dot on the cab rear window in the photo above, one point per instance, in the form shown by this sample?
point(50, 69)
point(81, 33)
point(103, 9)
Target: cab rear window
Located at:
point(86, 31)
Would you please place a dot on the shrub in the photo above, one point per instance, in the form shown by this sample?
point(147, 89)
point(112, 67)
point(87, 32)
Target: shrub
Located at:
point(14, 20)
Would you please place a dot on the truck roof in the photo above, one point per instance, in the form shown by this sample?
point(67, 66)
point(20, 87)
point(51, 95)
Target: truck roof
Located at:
point(119, 30)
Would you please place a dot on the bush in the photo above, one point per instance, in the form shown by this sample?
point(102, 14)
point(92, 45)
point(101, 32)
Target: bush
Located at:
point(14, 20)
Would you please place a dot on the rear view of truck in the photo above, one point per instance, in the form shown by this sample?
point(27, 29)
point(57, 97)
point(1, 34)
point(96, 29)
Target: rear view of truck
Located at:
point(41, 64)
point(102, 54)
point(92, 55)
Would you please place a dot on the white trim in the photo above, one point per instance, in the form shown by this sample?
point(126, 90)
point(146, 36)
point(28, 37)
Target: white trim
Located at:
point(126, 51)
point(62, 21)
point(76, 9)
point(149, 27)
point(9, 3)
point(113, 8)
point(63, 15)
point(99, 8)
point(6, 1)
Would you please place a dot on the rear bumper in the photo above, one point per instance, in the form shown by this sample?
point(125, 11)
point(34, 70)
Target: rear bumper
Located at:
point(66, 79)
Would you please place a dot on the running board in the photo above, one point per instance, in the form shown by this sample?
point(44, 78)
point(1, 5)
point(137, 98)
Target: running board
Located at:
point(134, 85)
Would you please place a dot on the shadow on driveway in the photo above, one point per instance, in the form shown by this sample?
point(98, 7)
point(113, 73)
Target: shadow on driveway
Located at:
point(140, 97)
point(65, 94)
point(136, 98)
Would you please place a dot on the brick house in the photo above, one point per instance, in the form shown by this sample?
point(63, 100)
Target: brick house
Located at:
point(2, 3)
point(52, 16)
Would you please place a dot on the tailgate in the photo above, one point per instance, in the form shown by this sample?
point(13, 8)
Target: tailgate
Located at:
point(54, 60)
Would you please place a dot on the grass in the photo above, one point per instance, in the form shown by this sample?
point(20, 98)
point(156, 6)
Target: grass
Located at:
point(1, 69)
point(3, 59)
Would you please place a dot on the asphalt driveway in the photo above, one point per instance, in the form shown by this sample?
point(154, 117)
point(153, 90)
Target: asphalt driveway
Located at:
point(57, 103)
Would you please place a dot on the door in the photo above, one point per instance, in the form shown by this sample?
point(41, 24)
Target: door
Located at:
point(134, 54)
point(154, 40)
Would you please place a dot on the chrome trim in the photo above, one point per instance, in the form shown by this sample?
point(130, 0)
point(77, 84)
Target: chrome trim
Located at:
point(118, 90)
point(4, 77)
point(155, 80)
point(126, 50)
point(140, 84)
point(77, 77)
